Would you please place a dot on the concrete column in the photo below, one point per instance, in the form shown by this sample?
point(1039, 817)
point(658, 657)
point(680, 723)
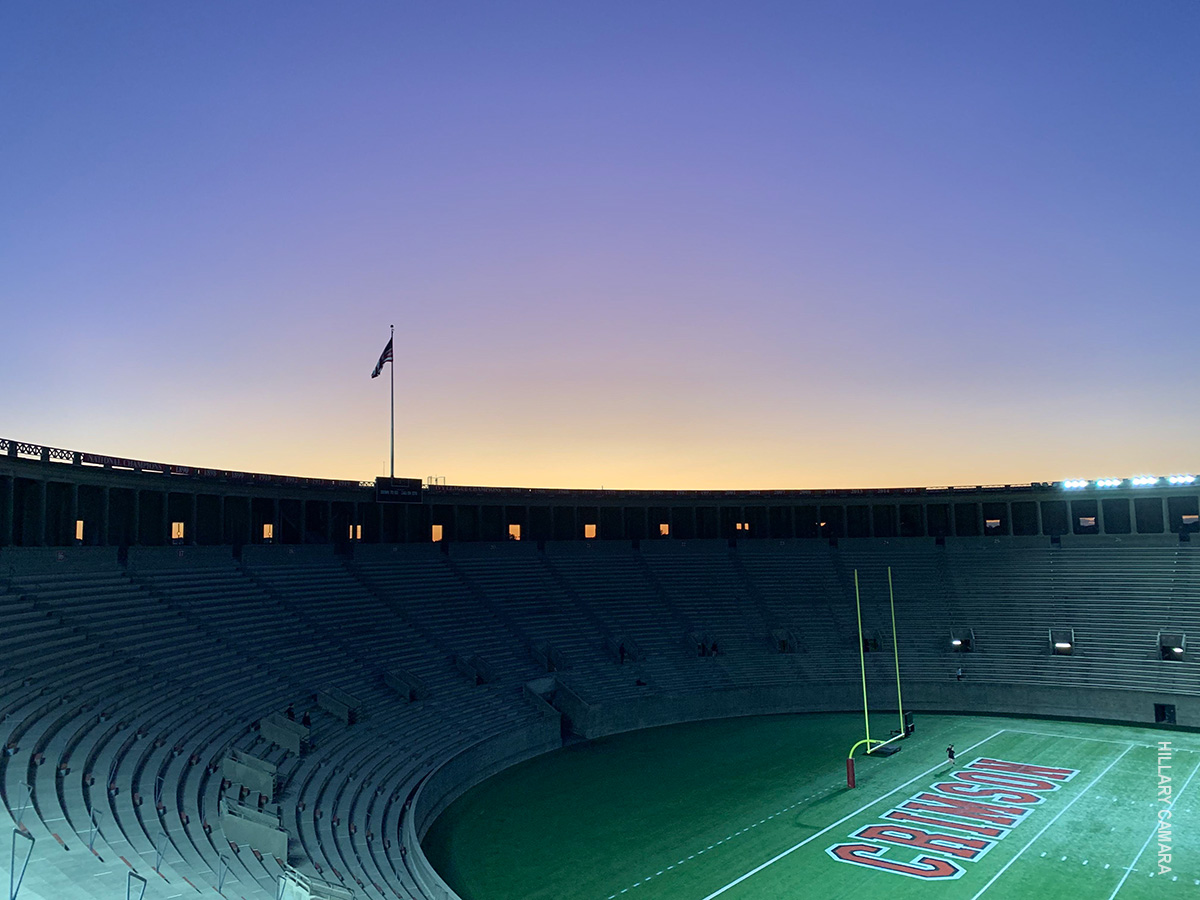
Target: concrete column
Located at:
point(329, 521)
point(190, 534)
point(164, 525)
point(73, 516)
point(42, 529)
point(8, 490)
point(303, 519)
point(104, 514)
point(249, 532)
point(136, 538)
point(222, 536)
point(277, 524)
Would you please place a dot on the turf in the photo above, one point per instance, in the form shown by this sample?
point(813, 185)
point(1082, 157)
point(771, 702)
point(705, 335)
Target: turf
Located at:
point(745, 809)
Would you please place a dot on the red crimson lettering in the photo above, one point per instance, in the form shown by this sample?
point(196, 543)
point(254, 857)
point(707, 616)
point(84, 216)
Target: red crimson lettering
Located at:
point(1006, 780)
point(1001, 765)
point(898, 815)
point(949, 844)
point(871, 855)
point(959, 789)
point(1006, 816)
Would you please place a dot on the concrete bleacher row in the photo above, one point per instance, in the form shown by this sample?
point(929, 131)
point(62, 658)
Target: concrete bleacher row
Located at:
point(126, 685)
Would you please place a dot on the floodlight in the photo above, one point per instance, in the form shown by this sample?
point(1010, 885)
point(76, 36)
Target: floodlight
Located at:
point(1109, 482)
point(1181, 479)
point(1172, 646)
point(1144, 480)
point(1075, 483)
point(1062, 641)
point(956, 642)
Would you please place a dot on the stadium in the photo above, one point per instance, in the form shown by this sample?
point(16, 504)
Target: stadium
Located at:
point(299, 687)
point(808, 382)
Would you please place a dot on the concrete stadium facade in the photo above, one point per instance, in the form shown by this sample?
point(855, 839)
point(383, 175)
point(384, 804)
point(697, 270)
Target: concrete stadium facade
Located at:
point(56, 497)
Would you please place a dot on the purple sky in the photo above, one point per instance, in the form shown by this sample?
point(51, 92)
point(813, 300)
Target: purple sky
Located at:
point(637, 245)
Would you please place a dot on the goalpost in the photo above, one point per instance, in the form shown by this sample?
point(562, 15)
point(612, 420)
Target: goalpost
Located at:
point(872, 745)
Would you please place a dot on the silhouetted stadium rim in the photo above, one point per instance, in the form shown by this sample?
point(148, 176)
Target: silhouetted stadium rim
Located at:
point(28, 450)
point(51, 496)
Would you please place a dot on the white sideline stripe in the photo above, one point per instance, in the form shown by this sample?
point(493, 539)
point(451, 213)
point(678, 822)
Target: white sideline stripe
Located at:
point(1075, 737)
point(1150, 837)
point(865, 806)
point(1004, 868)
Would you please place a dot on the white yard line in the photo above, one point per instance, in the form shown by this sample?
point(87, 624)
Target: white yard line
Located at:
point(1004, 868)
point(715, 844)
point(1150, 837)
point(864, 807)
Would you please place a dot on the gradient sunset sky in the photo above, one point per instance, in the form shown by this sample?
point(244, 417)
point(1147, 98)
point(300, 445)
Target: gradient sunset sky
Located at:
point(630, 244)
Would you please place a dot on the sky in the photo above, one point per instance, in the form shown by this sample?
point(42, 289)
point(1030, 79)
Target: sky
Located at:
point(635, 245)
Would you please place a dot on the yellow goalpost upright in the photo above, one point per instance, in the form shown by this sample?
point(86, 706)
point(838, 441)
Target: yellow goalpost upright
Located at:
point(871, 744)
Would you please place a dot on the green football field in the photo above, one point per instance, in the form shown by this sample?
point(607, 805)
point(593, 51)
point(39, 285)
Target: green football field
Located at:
point(757, 808)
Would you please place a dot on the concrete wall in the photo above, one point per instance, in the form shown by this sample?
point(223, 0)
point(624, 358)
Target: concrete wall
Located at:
point(1135, 707)
point(166, 558)
point(41, 560)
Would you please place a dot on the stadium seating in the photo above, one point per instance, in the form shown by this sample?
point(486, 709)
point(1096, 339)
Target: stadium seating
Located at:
point(127, 684)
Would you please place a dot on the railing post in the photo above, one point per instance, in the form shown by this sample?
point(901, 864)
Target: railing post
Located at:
point(95, 829)
point(130, 878)
point(158, 851)
point(14, 880)
point(26, 798)
point(222, 869)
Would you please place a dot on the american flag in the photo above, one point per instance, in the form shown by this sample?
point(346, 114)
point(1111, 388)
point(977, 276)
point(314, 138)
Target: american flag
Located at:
point(384, 357)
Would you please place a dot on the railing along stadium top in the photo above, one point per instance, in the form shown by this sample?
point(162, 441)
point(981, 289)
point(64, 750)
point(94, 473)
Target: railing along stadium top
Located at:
point(23, 450)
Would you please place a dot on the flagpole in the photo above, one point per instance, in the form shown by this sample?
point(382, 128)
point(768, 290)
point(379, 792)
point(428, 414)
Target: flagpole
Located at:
point(393, 368)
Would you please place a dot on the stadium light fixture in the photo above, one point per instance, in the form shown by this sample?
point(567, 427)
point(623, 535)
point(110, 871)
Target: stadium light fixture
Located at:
point(956, 642)
point(1172, 646)
point(1144, 480)
point(1109, 482)
point(1181, 479)
point(1071, 483)
point(1062, 641)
